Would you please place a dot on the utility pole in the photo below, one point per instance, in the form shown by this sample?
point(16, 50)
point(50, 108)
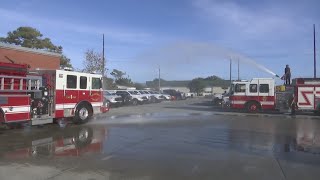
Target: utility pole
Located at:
point(103, 64)
point(230, 71)
point(238, 69)
point(314, 52)
point(159, 80)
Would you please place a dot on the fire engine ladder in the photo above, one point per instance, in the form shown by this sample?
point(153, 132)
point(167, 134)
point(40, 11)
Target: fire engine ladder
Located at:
point(26, 85)
point(29, 83)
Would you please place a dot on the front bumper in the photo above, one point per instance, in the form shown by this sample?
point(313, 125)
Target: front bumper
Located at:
point(160, 98)
point(115, 102)
point(142, 99)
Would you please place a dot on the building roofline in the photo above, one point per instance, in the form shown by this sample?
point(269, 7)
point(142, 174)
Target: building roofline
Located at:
point(24, 49)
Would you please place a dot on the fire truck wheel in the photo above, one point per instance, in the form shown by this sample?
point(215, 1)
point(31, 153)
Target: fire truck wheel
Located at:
point(253, 107)
point(82, 115)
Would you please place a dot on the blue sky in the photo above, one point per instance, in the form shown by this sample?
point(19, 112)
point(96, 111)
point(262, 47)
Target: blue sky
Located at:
point(186, 38)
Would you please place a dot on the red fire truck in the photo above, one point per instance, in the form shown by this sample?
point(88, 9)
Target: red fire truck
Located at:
point(262, 93)
point(41, 96)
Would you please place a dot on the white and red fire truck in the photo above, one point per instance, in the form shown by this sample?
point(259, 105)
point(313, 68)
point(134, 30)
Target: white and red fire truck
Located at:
point(42, 96)
point(262, 94)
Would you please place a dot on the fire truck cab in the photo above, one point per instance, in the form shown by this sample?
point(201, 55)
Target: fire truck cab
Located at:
point(253, 95)
point(41, 96)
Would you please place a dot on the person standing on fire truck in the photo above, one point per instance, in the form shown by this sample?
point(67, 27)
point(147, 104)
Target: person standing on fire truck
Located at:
point(287, 74)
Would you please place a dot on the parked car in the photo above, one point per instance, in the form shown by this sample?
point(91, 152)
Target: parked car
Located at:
point(166, 96)
point(148, 95)
point(126, 97)
point(175, 94)
point(131, 97)
point(113, 99)
point(217, 98)
point(157, 97)
point(143, 97)
point(190, 95)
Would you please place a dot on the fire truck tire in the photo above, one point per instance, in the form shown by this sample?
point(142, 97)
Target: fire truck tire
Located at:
point(83, 114)
point(253, 107)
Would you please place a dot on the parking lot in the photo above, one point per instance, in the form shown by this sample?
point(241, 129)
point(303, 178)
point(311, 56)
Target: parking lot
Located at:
point(187, 139)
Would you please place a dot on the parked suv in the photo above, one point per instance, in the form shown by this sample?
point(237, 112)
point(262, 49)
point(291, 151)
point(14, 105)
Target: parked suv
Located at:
point(157, 96)
point(131, 97)
point(112, 98)
point(217, 98)
point(148, 95)
point(176, 94)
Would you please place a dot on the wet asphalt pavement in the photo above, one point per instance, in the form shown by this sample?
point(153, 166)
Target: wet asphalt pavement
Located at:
point(170, 140)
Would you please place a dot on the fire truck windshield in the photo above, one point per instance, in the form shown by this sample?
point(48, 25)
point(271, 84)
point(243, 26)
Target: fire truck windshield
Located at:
point(96, 83)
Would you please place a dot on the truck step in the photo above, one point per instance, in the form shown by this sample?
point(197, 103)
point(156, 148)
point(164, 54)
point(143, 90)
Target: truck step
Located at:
point(41, 121)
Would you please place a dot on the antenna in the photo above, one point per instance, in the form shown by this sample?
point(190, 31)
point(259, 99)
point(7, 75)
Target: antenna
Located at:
point(238, 69)
point(314, 52)
point(159, 80)
point(103, 63)
point(230, 71)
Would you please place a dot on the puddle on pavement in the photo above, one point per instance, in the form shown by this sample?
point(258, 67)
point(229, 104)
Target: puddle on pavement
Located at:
point(88, 140)
point(149, 118)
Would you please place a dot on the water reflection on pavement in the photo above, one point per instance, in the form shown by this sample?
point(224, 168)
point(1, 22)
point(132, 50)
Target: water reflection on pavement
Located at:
point(198, 146)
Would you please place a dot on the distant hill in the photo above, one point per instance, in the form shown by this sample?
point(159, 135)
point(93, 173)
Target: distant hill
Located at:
point(209, 81)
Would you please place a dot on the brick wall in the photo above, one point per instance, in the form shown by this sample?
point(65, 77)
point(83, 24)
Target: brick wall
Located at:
point(35, 58)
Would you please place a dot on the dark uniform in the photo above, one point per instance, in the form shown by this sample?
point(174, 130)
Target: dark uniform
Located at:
point(287, 73)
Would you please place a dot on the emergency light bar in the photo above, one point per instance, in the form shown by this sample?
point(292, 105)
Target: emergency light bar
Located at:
point(67, 69)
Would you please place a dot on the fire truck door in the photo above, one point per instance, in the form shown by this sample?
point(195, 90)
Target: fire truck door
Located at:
point(70, 94)
point(84, 88)
point(95, 91)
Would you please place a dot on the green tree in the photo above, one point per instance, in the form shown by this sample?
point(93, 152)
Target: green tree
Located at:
point(109, 83)
point(139, 86)
point(155, 83)
point(124, 81)
point(197, 85)
point(213, 78)
point(117, 74)
point(65, 61)
point(93, 62)
point(32, 38)
point(120, 79)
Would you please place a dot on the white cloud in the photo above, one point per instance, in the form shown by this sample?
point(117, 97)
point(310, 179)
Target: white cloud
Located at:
point(118, 34)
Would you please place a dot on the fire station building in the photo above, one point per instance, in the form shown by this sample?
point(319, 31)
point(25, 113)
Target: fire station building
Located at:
point(33, 57)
